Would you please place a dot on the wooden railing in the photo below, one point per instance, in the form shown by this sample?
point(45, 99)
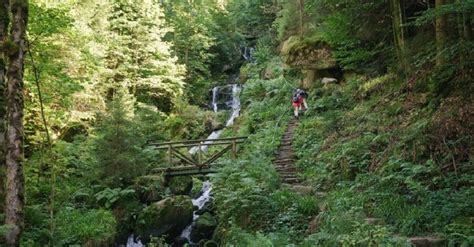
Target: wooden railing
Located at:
point(200, 160)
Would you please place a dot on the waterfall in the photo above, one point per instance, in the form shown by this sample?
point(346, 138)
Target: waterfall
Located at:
point(235, 106)
point(215, 92)
point(131, 242)
point(247, 53)
point(207, 186)
point(199, 203)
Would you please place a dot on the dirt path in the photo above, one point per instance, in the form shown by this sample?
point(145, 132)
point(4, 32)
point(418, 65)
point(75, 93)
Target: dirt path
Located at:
point(284, 162)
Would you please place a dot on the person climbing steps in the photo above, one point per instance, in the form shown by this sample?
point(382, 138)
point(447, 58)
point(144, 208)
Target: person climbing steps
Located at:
point(298, 100)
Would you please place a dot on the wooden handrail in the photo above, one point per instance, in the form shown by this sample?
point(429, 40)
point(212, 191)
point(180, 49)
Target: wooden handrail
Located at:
point(165, 146)
point(204, 141)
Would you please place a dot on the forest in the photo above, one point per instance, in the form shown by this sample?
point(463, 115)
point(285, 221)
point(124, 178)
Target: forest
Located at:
point(96, 96)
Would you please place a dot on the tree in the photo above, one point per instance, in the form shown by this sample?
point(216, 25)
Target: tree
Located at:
point(138, 58)
point(399, 32)
point(14, 134)
point(119, 143)
point(441, 33)
point(4, 20)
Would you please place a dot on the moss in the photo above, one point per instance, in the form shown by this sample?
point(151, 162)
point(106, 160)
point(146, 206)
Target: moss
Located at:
point(181, 185)
point(169, 216)
point(310, 53)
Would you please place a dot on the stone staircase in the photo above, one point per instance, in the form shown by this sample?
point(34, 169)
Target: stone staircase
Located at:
point(284, 162)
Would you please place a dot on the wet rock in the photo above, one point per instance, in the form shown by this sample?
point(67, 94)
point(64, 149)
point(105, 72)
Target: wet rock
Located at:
point(203, 227)
point(181, 185)
point(166, 217)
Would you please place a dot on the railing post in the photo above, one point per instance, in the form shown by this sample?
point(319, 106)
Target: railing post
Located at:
point(200, 154)
point(170, 155)
point(234, 150)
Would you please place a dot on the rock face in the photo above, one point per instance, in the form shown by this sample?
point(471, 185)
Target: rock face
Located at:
point(166, 217)
point(203, 227)
point(307, 54)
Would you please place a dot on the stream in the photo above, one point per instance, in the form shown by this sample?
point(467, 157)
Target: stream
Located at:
point(205, 195)
point(234, 104)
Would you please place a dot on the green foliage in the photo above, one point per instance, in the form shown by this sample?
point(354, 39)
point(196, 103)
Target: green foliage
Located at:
point(108, 197)
point(79, 227)
point(118, 147)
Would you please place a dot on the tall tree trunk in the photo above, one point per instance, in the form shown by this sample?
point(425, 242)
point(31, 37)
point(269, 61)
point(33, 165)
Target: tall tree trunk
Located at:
point(301, 15)
point(3, 36)
point(441, 34)
point(399, 31)
point(467, 24)
point(14, 136)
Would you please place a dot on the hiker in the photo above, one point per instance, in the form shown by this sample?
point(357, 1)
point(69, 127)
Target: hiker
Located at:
point(299, 98)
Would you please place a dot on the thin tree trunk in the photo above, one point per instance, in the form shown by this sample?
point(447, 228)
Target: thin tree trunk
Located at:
point(398, 19)
point(301, 15)
point(14, 137)
point(3, 36)
point(467, 25)
point(441, 35)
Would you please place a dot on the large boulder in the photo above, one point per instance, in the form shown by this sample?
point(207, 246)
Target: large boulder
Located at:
point(167, 217)
point(308, 54)
point(203, 227)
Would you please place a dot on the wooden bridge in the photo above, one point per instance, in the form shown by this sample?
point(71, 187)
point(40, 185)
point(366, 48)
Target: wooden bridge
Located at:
point(192, 156)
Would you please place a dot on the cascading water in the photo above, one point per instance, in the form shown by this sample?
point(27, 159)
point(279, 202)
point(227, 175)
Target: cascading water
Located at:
point(207, 186)
point(235, 106)
point(199, 202)
point(215, 92)
point(247, 53)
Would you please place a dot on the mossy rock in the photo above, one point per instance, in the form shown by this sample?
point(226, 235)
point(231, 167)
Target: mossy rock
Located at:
point(167, 217)
point(203, 227)
point(309, 54)
point(181, 185)
point(197, 188)
point(150, 188)
point(210, 243)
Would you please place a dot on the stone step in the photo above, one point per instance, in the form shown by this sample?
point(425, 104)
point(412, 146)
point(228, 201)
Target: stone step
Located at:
point(427, 241)
point(291, 180)
point(279, 161)
point(289, 169)
point(287, 173)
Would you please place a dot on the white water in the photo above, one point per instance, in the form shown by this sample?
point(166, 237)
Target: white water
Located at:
point(248, 52)
point(131, 242)
point(207, 186)
point(199, 203)
point(215, 92)
point(235, 105)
